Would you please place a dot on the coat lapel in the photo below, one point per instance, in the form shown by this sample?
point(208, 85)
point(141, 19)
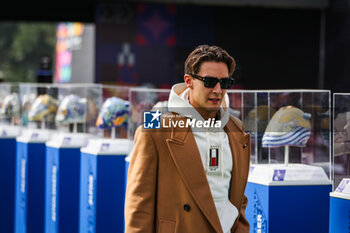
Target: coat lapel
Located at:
point(240, 149)
point(183, 149)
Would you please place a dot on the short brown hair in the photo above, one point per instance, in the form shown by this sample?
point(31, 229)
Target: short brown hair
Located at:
point(208, 53)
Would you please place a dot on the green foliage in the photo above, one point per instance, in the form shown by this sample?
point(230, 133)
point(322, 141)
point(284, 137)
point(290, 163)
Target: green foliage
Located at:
point(21, 46)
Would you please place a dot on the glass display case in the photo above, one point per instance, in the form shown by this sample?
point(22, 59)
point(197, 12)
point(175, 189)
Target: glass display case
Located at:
point(290, 176)
point(10, 110)
point(341, 137)
point(286, 126)
point(76, 114)
point(143, 100)
point(78, 107)
point(340, 197)
point(290, 127)
point(112, 118)
point(39, 102)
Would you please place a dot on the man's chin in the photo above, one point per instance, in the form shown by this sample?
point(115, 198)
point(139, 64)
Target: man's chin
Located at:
point(213, 108)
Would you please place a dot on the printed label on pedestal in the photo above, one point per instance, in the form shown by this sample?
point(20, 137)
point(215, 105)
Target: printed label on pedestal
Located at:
point(66, 141)
point(3, 133)
point(91, 207)
point(344, 186)
point(104, 147)
point(278, 175)
point(260, 224)
point(54, 193)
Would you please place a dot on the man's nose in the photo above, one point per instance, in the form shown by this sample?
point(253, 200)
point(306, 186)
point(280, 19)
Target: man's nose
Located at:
point(217, 88)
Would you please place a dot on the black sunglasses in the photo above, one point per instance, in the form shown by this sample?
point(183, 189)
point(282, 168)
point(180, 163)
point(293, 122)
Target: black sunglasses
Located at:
point(210, 82)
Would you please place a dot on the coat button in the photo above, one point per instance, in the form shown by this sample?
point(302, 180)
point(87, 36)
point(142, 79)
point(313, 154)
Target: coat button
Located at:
point(245, 145)
point(187, 207)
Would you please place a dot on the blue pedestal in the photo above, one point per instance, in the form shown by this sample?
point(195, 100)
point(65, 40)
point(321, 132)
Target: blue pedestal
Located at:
point(7, 182)
point(30, 181)
point(339, 214)
point(62, 189)
point(288, 209)
point(102, 186)
point(30, 187)
point(62, 183)
point(279, 201)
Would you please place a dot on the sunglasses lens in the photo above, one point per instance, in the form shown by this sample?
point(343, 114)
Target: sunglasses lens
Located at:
point(226, 83)
point(210, 82)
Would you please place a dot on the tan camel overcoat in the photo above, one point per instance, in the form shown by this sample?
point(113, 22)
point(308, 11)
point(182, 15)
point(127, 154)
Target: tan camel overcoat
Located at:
point(167, 189)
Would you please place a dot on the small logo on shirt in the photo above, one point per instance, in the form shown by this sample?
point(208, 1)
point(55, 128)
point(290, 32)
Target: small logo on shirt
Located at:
point(151, 120)
point(213, 158)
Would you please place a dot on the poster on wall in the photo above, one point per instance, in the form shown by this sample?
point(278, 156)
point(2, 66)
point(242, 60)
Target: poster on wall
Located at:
point(75, 53)
point(135, 44)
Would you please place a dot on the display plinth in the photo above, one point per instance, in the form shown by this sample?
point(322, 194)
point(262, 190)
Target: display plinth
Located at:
point(30, 181)
point(8, 136)
point(62, 182)
point(293, 198)
point(102, 185)
point(340, 208)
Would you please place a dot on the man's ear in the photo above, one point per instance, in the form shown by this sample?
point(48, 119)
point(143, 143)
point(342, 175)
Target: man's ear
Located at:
point(188, 80)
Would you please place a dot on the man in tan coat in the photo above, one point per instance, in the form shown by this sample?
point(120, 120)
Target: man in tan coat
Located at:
point(189, 176)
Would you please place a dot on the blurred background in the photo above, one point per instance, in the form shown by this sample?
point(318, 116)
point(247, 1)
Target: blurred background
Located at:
point(277, 44)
